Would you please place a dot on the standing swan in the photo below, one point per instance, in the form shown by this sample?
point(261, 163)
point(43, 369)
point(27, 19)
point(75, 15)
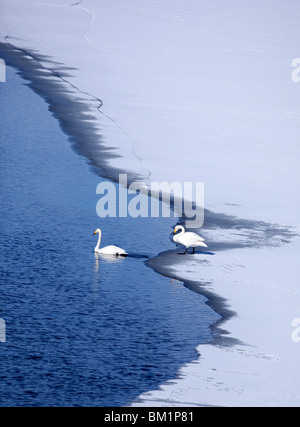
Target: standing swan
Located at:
point(189, 240)
point(108, 250)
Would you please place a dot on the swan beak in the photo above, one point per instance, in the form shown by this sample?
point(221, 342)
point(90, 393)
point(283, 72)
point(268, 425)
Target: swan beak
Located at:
point(94, 233)
point(175, 231)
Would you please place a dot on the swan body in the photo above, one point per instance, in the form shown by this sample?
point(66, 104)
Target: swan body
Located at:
point(108, 250)
point(188, 239)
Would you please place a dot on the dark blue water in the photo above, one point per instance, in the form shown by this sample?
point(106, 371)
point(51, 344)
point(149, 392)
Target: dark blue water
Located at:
point(81, 330)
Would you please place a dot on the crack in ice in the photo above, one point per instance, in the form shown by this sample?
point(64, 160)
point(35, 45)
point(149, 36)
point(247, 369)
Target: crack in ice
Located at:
point(85, 36)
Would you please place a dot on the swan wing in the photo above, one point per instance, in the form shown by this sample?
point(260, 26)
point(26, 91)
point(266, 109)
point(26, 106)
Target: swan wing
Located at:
point(202, 244)
point(195, 237)
point(190, 240)
point(112, 250)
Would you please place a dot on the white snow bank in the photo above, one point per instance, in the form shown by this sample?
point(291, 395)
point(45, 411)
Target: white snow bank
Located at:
point(262, 369)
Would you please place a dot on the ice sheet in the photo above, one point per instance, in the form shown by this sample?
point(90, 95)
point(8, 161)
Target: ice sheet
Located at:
point(207, 85)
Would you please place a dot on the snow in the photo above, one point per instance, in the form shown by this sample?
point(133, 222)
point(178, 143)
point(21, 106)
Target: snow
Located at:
point(200, 91)
point(256, 363)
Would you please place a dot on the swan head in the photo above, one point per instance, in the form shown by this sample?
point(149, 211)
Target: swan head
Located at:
point(98, 231)
point(178, 228)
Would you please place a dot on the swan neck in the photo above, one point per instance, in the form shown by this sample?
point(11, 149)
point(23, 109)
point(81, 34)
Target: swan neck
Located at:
point(99, 241)
point(182, 230)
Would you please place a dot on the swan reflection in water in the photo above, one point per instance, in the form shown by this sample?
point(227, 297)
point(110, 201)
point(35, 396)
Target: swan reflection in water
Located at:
point(110, 259)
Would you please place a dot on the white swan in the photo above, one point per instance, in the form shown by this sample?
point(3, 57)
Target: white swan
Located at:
point(108, 250)
point(187, 239)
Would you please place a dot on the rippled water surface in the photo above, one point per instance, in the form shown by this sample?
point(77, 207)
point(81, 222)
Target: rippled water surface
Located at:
point(81, 330)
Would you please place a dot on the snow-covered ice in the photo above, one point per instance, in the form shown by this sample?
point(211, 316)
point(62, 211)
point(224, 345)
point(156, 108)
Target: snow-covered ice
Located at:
point(256, 361)
point(200, 91)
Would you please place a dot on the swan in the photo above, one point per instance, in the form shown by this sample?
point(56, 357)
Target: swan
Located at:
point(108, 250)
point(189, 240)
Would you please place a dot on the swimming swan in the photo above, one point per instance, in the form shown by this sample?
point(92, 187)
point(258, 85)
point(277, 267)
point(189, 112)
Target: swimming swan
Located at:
point(108, 250)
point(189, 240)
